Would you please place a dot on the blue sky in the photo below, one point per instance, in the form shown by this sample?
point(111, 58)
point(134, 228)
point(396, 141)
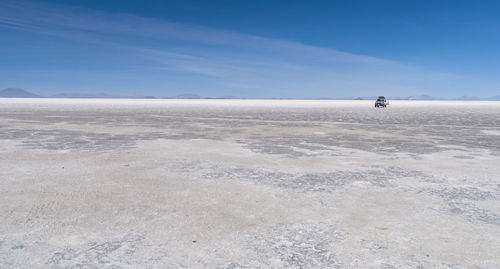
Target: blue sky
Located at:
point(262, 49)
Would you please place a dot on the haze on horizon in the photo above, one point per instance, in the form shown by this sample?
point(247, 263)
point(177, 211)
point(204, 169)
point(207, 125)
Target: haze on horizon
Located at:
point(257, 49)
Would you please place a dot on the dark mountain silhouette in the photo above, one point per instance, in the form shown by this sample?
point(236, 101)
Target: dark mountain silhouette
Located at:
point(17, 93)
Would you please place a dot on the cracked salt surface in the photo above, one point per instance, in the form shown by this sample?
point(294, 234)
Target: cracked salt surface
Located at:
point(248, 184)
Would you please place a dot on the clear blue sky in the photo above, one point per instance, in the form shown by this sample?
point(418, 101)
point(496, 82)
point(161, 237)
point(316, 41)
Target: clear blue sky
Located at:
point(291, 49)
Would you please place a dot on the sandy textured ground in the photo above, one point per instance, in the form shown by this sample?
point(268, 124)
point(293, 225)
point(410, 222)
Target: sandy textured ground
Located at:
point(249, 184)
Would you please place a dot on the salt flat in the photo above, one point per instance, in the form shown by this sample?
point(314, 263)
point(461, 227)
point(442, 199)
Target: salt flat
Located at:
point(249, 184)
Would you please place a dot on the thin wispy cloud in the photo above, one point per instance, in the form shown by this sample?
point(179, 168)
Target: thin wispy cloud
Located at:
point(164, 58)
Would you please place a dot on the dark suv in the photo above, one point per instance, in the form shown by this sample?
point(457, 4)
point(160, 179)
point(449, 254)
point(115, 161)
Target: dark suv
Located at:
point(381, 102)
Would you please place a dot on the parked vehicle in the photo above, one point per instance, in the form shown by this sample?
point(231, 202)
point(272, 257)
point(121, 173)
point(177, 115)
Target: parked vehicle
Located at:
point(381, 102)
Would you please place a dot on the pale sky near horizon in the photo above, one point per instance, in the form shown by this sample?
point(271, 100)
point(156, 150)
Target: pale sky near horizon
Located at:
point(260, 49)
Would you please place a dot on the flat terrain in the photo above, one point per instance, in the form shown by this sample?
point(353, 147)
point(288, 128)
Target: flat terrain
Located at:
point(249, 184)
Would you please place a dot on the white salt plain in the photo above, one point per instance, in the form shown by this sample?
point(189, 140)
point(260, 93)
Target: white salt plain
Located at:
point(114, 183)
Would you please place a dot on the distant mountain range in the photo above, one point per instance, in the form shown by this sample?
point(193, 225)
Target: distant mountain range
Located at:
point(89, 95)
point(421, 97)
point(17, 93)
point(425, 97)
point(20, 93)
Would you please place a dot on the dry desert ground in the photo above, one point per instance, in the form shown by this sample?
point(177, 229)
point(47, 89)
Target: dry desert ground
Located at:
point(112, 183)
